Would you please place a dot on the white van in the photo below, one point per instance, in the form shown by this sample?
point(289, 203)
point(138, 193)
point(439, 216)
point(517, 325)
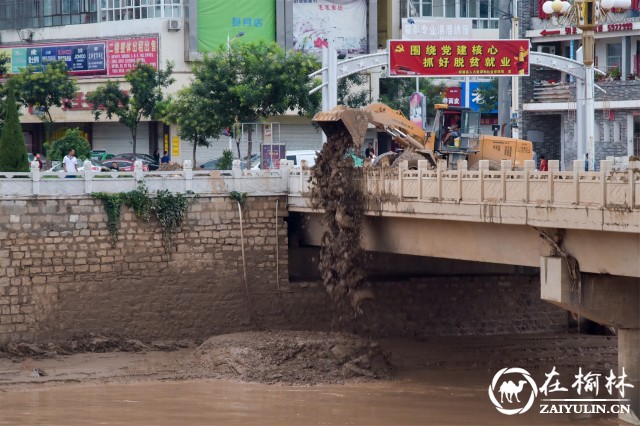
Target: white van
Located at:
point(298, 156)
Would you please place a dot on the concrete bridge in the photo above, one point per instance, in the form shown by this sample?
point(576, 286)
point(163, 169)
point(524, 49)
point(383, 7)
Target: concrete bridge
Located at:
point(582, 229)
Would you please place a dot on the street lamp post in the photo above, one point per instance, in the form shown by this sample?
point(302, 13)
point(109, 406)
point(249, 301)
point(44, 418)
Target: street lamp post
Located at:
point(240, 34)
point(586, 15)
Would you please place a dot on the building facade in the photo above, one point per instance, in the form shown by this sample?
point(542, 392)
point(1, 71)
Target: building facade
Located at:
point(548, 97)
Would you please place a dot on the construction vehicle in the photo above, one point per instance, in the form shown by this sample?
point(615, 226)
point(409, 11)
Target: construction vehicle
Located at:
point(455, 136)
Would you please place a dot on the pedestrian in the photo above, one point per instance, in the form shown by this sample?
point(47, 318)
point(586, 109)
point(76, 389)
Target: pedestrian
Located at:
point(156, 156)
point(544, 167)
point(39, 161)
point(369, 152)
point(70, 163)
point(165, 158)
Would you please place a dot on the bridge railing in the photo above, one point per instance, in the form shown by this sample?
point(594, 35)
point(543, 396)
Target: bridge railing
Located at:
point(86, 181)
point(604, 188)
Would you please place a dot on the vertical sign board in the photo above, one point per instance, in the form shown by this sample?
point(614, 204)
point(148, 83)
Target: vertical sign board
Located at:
point(344, 22)
point(175, 146)
point(417, 109)
point(271, 155)
point(458, 58)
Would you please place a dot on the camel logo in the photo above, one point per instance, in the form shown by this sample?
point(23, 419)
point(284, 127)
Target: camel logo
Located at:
point(511, 389)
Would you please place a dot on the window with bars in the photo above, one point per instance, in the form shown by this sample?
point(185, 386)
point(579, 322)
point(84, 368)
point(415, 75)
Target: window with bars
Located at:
point(485, 13)
point(122, 10)
point(17, 14)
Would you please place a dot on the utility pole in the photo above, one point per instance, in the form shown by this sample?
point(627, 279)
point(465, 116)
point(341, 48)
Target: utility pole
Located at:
point(504, 83)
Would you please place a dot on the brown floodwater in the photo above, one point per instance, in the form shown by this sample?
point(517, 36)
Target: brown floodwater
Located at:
point(421, 398)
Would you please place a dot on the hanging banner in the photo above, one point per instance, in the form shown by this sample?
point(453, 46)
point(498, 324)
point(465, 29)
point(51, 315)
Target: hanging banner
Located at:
point(436, 28)
point(417, 109)
point(124, 54)
point(344, 22)
point(456, 58)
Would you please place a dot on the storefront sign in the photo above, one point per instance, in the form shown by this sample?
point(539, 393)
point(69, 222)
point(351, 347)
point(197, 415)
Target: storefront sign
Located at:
point(271, 155)
point(453, 96)
point(124, 54)
point(88, 58)
point(318, 21)
point(454, 58)
point(417, 109)
point(436, 28)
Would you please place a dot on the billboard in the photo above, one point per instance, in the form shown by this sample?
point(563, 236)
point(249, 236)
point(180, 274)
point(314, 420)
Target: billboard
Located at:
point(316, 22)
point(271, 155)
point(218, 20)
point(436, 28)
point(125, 53)
point(458, 58)
point(475, 99)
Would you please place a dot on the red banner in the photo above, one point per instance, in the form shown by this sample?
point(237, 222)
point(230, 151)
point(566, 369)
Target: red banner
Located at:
point(455, 58)
point(453, 96)
point(123, 54)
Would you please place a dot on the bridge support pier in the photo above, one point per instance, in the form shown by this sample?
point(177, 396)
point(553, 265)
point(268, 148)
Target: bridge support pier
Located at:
point(606, 299)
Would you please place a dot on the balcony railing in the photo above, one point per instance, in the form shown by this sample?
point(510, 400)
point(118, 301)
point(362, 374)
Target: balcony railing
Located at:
point(551, 92)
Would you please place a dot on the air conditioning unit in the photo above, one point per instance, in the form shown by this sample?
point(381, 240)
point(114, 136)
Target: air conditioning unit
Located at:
point(551, 50)
point(174, 24)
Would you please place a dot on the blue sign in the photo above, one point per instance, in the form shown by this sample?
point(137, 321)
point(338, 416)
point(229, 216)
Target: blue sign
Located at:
point(474, 98)
point(80, 58)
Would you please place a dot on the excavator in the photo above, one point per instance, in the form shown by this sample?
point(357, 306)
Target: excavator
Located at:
point(455, 136)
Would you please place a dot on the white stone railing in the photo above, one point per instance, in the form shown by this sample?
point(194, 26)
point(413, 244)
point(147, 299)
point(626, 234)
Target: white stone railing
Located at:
point(86, 181)
point(604, 188)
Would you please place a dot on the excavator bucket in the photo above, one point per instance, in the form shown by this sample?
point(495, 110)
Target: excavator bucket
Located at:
point(353, 122)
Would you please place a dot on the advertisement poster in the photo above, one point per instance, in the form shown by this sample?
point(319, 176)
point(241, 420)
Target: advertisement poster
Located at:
point(87, 58)
point(317, 22)
point(271, 155)
point(458, 58)
point(219, 21)
point(417, 109)
point(436, 28)
point(453, 96)
point(125, 53)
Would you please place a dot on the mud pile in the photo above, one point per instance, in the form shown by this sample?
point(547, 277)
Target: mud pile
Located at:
point(338, 190)
point(290, 357)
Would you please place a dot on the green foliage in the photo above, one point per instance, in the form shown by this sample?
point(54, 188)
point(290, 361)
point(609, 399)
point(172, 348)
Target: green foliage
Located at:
point(144, 98)
point(139, 201)
point(488, 96)
point(112, 203)
point(353, 91)
point(239, 197)
point(252, 81)
point(5, 60)
point(185, 110)
point(72, 139)
point(46, 88)
point(169, 210)
point(226, 161)
point(13, 153)
point(395, 92)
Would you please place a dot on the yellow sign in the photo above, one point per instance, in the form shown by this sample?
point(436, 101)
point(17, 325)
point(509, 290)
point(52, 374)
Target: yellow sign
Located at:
point(175, 146)
point(166, 143)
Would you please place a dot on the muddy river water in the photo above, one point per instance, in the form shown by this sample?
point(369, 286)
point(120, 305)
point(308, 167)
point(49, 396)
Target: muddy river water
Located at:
point(438, 382)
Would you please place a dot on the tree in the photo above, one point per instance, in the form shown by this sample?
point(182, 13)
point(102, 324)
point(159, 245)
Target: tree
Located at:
point(72, 139)
point(488, 96)
point(143, 99)
point(395, 92)
point(352, 92)
point(13, 153)
point(226, 161)
point(185, 110)
point(45, 88)
point(253, 81)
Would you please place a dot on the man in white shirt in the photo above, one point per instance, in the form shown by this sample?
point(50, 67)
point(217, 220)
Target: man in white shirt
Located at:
point(70, 163)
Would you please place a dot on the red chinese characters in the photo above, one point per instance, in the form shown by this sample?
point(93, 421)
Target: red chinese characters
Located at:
point(458, 58)
point(123, 54)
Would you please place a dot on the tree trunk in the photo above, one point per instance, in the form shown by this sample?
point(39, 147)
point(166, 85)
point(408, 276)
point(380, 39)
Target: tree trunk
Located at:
point(134, 132)
point(249, 146)
point(195, 145)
